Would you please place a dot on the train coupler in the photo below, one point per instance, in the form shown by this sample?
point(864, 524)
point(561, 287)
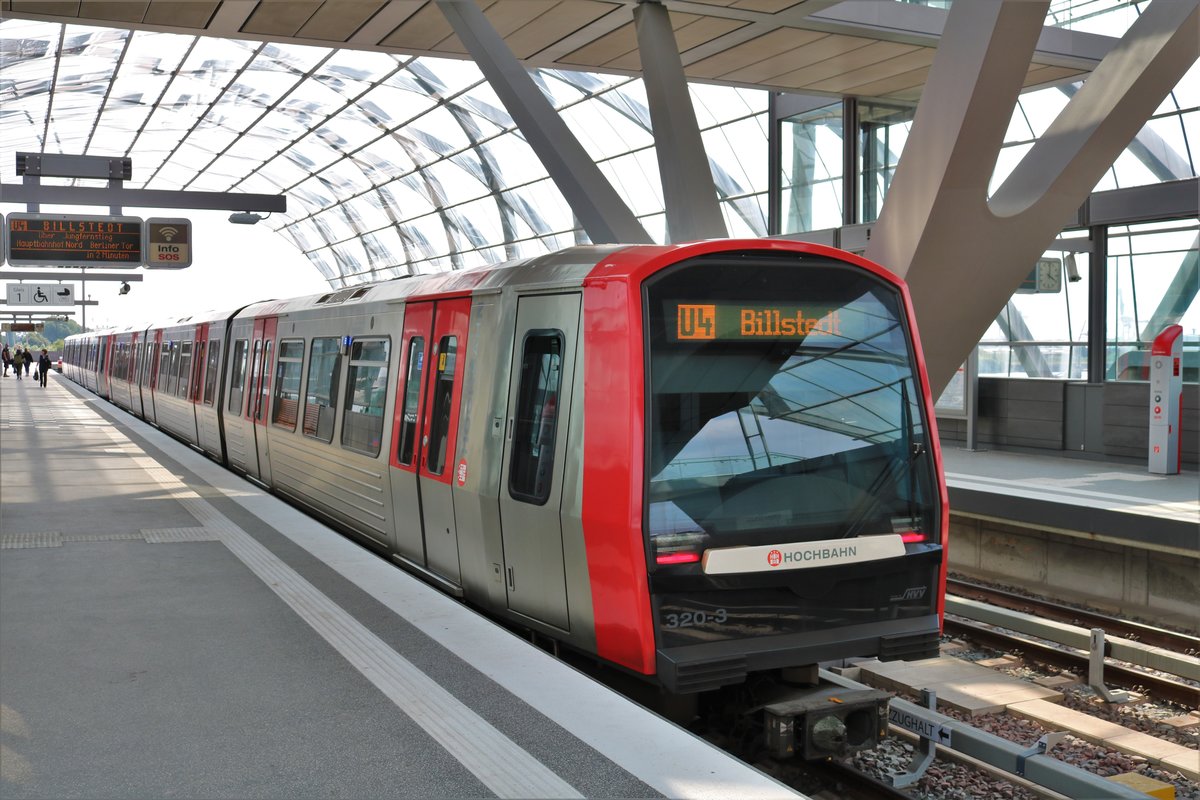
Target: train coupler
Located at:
point(825, 722)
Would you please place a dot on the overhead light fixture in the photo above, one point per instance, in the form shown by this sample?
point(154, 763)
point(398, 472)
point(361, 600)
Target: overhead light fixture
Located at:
point(246, 217)
point(124, 288)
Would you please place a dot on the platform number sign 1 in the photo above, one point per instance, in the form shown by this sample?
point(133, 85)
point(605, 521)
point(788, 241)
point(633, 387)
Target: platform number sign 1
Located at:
point(168, 243)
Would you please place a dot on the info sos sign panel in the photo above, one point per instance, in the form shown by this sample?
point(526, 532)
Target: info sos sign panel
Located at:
point(167, 243)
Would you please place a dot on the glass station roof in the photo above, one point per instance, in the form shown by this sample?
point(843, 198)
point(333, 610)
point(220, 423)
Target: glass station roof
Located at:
point(396, 165)
point(391, 164)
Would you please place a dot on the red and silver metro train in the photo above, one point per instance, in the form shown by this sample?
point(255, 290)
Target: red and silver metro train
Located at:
point(694, 461)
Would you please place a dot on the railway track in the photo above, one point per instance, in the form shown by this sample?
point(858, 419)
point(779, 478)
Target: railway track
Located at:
point(1164, 688)
point(1113, 626)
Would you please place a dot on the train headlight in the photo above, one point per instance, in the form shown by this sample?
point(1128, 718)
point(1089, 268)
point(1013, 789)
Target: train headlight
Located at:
point(678, 548)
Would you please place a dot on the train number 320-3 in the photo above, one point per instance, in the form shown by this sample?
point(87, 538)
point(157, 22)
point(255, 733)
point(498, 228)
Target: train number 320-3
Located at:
point(690, 619)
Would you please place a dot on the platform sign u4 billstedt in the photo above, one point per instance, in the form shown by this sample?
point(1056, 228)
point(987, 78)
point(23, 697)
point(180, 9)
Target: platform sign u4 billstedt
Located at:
point(168, 243)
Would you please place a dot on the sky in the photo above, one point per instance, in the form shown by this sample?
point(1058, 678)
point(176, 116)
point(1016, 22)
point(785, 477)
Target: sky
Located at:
point(232, 265)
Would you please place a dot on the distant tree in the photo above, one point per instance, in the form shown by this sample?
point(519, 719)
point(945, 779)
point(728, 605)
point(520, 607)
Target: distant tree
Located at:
point(37, 341)
point(60, 329)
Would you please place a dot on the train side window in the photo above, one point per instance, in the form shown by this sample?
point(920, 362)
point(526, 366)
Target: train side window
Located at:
point(287, 383)
point(362, 424)
point(163, 366)
point(237, 382)
point(321, 395)
point(531, 470)
point(443, 394)
point(406, 450)
point(210, 371)
point(151, 360)
point(185, 368)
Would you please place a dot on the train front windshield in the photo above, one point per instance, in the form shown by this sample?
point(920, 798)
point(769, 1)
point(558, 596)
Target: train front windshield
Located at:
point(784, 407)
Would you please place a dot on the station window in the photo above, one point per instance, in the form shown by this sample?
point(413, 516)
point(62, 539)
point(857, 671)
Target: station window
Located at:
point(443, 394)
point(210, 371)
point(237, 375)
point(406, 449)
point(287, 383)
point(184, 368)
point(531, 471)
point(362, 425)
point(320, 399)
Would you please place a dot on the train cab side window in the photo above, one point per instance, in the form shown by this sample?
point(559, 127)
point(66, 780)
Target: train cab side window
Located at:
point(237, 382)
point(443, 395)
point(531, 471)
point(321, 395)
point(210, 371)
point(406, 450)
point(362, 424)
point(185, 368)
point(287, 383)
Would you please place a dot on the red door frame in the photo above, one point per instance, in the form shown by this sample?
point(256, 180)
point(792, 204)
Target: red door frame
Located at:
point(418, 320)
point(154, 355)
point(199, 355)
point(260, 378)
point(433, 321)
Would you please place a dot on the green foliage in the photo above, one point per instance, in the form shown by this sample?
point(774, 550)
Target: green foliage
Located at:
point(51, 337)
point(57, 330)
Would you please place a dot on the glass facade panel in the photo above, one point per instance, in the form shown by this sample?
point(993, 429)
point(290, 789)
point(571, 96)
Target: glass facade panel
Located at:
point(812, 170)
point(1153, 282)
point(882, 129)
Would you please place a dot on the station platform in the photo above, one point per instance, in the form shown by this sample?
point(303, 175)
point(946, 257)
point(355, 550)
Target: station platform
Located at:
point(1122, 502)
point(1110, 535)
point(167, 629)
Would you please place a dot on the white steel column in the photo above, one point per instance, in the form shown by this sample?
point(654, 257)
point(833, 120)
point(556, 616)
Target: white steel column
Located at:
point(599, 208)
point(689, 195)
point(963, 254)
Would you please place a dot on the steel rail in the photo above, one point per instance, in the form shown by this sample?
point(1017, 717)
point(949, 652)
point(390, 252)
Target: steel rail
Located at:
point(1112, 626)
point(1173, 691)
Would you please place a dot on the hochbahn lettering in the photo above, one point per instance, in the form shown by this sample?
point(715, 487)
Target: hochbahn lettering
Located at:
point(69, 240)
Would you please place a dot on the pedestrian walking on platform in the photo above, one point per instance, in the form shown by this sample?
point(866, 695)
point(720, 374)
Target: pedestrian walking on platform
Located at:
point(43, 368)
point(6, 357)
point(18, 360)
point(28, 360)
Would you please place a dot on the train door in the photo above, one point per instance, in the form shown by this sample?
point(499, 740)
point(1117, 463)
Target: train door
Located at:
point(103, 373)
point(135, 371)
point(261, 353)
point(433, 356)
point(150, 377)
point(539, 397)
point(196, 390)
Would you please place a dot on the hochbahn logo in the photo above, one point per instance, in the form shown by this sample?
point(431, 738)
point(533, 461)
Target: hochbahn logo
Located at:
point(775, 557)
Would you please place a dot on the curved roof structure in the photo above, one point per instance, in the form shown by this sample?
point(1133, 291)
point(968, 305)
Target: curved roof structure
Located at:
point(397, 157)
